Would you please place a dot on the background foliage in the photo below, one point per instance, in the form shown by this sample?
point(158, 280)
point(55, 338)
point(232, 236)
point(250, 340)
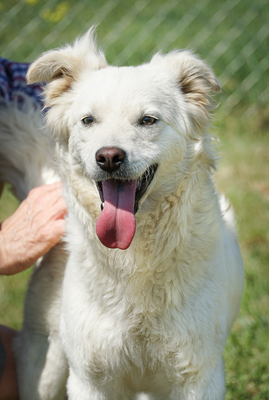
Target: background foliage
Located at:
point(232, 35)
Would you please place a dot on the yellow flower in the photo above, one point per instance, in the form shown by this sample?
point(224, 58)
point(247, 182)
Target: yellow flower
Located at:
point(31, 2)
point(55, 15)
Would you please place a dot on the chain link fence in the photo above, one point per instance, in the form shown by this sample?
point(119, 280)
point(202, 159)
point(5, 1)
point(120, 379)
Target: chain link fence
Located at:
point(231, 35)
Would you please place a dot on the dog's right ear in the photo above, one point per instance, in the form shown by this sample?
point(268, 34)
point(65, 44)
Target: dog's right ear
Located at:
point(196, 82)
point(59, 68)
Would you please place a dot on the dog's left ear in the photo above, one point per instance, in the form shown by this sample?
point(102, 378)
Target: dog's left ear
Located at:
point(196, 81)
point(59, 68)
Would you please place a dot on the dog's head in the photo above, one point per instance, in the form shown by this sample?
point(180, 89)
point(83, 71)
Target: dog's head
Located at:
point(129, 129)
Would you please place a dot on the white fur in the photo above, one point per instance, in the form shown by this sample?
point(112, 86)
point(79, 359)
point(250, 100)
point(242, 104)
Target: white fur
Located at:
point(153, 318)
point(26, 154)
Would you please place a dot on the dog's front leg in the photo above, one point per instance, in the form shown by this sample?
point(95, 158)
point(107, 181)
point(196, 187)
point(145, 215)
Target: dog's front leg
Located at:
point(202, 387)
point(84, 389)
point(42, 367)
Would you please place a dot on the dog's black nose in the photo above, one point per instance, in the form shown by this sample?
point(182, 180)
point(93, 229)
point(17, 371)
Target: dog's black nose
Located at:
point(110, 158)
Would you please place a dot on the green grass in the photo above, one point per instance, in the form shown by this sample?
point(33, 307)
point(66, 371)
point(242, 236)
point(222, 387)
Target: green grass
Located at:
point(244, 176)
point(12, 288)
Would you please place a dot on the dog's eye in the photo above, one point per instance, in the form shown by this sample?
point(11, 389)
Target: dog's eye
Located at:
point(148, 120)
point(88, 120)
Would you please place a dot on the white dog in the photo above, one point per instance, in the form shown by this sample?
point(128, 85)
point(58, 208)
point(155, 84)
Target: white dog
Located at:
point(153, 282)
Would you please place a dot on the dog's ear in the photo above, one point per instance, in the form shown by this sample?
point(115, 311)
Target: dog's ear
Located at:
point(59, 68)
point(196, 81)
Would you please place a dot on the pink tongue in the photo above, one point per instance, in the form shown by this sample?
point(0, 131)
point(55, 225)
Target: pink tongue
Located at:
point(115, 226)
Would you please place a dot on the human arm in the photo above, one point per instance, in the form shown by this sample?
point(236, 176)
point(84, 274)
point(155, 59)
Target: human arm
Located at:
point(35, 227)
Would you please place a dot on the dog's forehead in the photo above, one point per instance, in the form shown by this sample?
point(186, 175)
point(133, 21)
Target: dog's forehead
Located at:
point(128, 78)
point(114, 87)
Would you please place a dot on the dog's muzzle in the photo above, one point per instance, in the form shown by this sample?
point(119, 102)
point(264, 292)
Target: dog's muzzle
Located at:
point(120, 198)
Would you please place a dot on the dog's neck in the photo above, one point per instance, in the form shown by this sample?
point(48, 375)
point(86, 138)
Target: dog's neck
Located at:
point(173, 231)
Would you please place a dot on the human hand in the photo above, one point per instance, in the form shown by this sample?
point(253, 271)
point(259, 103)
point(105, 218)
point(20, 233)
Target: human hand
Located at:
point(35, 227)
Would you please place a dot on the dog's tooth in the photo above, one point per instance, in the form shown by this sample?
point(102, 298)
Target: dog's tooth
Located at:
point(139, 183)
point(102, 206)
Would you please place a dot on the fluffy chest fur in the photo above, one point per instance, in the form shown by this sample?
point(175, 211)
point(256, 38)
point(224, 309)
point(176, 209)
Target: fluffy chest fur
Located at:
point(142, 305)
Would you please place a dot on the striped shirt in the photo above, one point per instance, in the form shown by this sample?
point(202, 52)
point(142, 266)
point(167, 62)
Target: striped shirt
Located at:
point(13, 82)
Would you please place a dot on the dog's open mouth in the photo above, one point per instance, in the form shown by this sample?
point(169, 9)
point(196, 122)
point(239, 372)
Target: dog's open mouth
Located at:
point(120, 199)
